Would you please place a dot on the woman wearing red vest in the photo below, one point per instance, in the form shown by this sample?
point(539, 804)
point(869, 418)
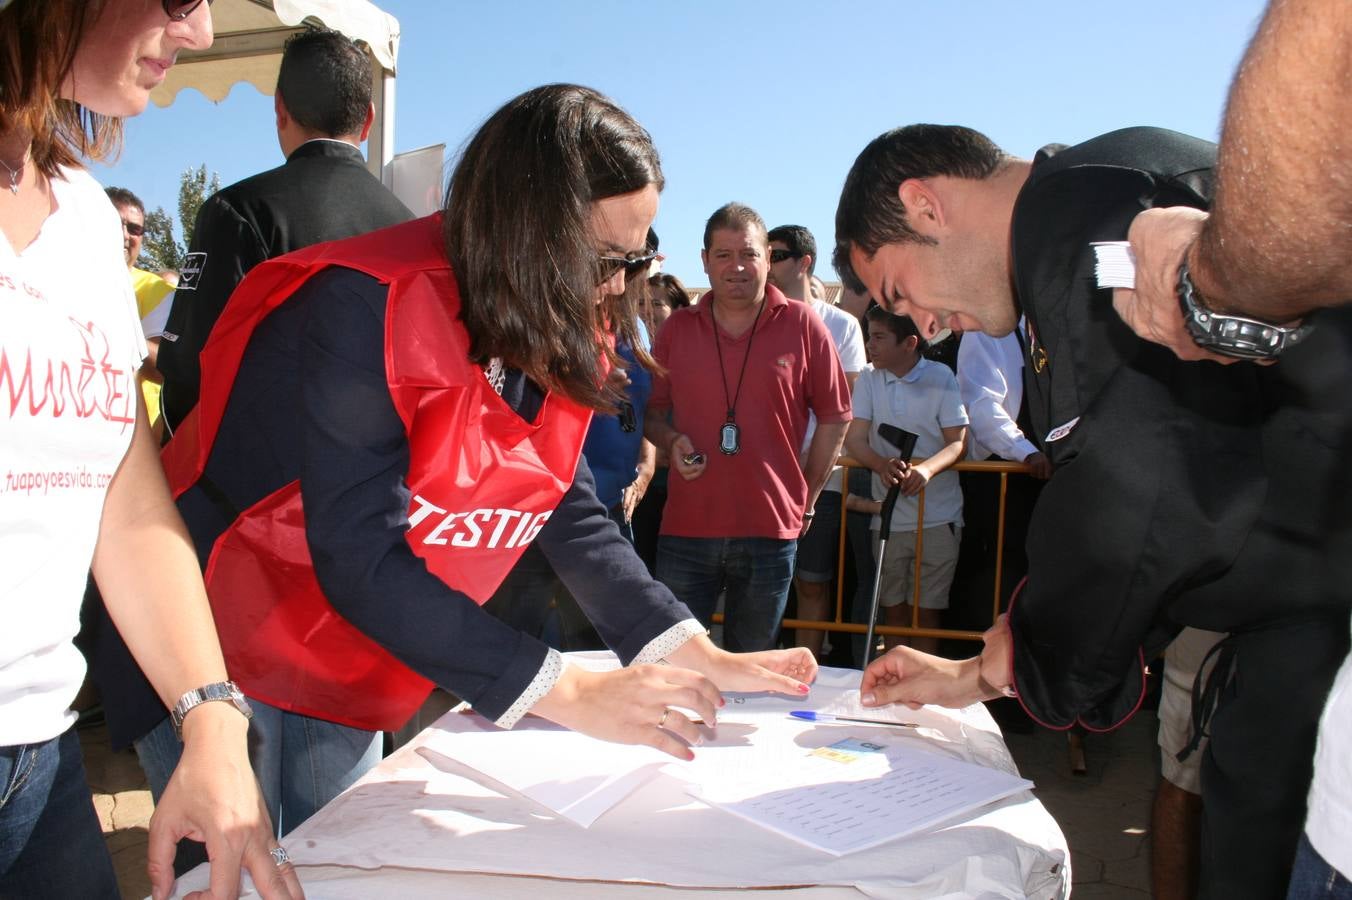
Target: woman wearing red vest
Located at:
point(387, 422)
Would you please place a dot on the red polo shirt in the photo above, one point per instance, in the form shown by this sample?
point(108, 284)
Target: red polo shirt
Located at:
point(792, 368)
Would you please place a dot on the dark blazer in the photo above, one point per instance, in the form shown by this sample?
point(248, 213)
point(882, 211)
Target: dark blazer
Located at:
point(322, 193)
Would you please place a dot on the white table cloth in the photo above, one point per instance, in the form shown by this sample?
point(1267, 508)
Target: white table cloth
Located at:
point(421, 825)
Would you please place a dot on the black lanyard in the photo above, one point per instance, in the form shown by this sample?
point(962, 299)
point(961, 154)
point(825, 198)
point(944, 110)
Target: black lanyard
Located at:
point(729, 438)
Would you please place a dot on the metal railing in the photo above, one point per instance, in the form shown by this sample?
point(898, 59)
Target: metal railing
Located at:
point(838, 624)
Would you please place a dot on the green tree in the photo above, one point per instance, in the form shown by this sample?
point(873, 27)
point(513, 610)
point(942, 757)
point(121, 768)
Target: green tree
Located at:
point(161, 249)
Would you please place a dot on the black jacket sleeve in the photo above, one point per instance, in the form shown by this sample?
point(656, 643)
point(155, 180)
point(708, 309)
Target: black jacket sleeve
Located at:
point(225, 246)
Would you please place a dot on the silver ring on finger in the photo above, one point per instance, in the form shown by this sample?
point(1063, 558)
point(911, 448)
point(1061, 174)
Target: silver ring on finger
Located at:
point(661, 723)
point(280, 857)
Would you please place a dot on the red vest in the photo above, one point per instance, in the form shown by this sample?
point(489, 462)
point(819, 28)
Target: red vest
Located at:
point(483, 482)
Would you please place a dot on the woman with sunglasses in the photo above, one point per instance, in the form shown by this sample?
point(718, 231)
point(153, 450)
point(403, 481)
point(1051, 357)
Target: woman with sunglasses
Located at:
point(83, 484)
point(387, 422)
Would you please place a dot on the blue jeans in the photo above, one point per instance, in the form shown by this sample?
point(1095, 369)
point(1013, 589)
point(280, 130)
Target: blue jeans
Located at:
point(51, 844)
point(755, 573)
point(1314, 879)
point(301, 762)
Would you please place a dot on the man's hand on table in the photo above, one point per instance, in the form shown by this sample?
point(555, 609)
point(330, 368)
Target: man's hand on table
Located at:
point(787, 671)
point(908, 676)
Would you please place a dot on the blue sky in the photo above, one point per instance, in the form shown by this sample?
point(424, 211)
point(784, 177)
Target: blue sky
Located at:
point(766, 103)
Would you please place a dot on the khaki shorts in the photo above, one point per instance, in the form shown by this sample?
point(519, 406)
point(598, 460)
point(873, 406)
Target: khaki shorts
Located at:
point(1182, 658)
point(939, 560)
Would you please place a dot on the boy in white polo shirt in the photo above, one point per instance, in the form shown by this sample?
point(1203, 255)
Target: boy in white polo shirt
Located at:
point(921, 397)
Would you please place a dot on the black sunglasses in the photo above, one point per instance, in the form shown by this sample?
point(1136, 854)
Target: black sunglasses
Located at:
point(778, 256)
point(135, 229)
point(178, 10)
point(634, 266)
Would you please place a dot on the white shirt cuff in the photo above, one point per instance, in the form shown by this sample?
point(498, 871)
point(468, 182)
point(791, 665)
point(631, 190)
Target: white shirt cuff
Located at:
point(541, 684)
point(668, 641)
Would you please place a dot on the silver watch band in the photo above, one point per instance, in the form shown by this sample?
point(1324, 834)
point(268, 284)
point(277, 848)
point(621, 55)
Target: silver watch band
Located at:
point(226, 691)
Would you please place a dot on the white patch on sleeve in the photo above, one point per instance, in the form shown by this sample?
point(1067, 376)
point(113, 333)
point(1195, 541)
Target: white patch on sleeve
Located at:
point(1061, 431)
point(191, 273)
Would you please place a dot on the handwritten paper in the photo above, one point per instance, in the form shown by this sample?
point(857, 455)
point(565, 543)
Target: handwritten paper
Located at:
point(858, 792)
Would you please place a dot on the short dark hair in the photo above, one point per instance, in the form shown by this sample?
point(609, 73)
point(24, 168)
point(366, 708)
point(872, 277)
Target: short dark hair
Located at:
point(901, 326)
point(123, 197)
point(734, 216)
point(799, 241)
point(870, 213)
point(670, 287)
point(325, 82)
point(517, 231)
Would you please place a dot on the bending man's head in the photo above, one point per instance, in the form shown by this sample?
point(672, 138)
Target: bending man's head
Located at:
point(919, 228)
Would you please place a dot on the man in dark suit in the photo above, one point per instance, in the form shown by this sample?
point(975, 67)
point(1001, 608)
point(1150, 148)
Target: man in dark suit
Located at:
point(322, 193)
point(1185, 493)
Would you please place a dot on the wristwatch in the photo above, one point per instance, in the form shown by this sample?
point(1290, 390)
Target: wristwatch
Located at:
point(220, 690)
point(1236, 336)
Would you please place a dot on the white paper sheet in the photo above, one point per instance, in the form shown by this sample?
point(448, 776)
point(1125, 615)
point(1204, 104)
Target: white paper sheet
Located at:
point(862, 790)
point(571, 774)
point(1114, 264)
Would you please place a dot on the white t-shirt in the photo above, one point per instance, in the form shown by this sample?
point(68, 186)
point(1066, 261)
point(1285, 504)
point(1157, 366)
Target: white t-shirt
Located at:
point(1329, 824)
point(70, 346)
point(923, 401)
point(849, 340)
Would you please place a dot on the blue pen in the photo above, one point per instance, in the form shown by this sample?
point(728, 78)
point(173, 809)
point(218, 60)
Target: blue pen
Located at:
point(827, 717)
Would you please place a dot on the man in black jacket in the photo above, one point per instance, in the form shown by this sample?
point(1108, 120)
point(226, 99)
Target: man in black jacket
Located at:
point(322, 193)
point(1185, 493)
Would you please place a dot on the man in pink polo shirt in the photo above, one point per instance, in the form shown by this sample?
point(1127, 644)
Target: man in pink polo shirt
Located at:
point(743, 369)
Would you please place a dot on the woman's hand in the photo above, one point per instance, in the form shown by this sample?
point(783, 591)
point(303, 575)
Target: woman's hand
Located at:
point(213, 797)
point(907, 676)
point(781, 671)
point(636, 705)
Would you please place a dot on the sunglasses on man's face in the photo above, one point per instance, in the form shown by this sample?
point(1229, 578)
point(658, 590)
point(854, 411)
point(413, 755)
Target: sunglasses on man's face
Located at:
point(178, 10)
point(778, 256)
point(135, 229)
point(634, 266)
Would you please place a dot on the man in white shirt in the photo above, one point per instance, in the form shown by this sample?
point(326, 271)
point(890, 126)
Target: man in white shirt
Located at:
point(990, 377)
point(793, 256)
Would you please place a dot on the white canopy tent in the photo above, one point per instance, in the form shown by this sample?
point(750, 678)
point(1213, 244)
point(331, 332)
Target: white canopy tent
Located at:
point(250, 35)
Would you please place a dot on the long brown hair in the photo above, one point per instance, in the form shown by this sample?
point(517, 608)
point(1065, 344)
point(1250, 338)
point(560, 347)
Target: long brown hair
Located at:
point(517, 233)
point(38, 40)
